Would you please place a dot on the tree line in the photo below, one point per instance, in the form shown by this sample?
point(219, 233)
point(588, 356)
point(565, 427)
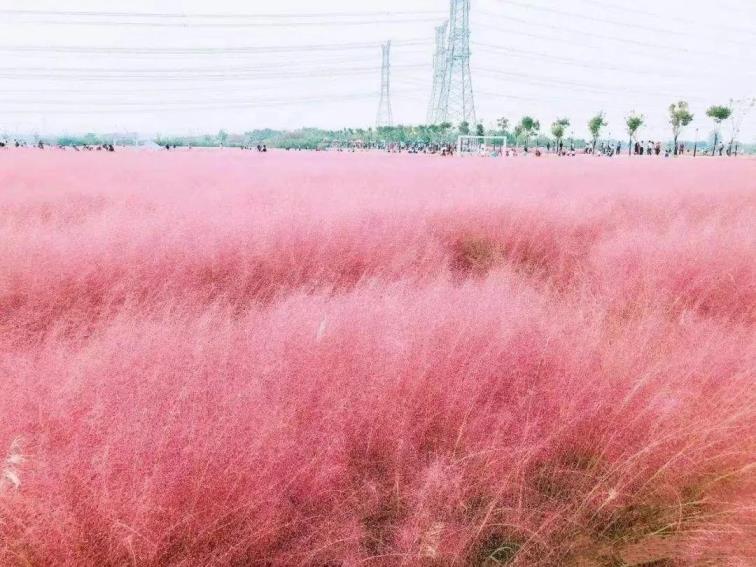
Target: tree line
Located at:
point(525, 132)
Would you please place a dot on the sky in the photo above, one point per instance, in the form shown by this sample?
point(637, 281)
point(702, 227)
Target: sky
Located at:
point(191, 66)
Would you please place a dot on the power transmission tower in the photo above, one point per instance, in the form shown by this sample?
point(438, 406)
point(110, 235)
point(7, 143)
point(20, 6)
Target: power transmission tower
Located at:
point(439, 71)
point(457, 103)
point(385, 115)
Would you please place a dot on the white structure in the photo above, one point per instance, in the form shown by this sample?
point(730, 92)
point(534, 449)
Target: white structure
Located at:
point(439, 73)
point(385, 115)
point(481, 145)
point(456, 102)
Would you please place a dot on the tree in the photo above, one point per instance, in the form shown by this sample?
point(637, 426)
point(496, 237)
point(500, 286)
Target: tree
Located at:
point(480, 130)
point(557, 130)
point(740, 109)
point(718, 114)
point(464, 128)
point(595, 125)
point(445, 128)
point(503, 124)
point(529, 126)
point(517, 133)
point(633, 122)
point(679, 118)
point(222, 137)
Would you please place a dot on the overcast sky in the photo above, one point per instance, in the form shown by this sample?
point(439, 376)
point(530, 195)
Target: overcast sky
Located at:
point(192, 66)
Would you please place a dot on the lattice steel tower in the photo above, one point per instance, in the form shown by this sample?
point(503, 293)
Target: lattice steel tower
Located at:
point(439, 71)
point(457, 103)
point(385, 115)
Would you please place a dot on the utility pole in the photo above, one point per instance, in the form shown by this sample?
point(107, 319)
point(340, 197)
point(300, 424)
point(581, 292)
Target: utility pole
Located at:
point(695, 144)
point(439, 72)
point(385, 115)
point(457, 103)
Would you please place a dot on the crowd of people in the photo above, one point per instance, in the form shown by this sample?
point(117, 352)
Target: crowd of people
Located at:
point(609, 149)
point(41, 145)
point(650, 148)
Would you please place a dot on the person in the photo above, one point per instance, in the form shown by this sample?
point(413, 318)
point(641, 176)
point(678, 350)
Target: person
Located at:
point(548, 146)
point(721, 148)
point(619, 148)
point(657, 148)
point(265, 148)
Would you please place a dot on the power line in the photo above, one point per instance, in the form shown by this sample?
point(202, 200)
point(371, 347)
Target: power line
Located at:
point(225, 76)
point(678, 17)
point(604, 104)
point(598, 19)
point(576, 62)
point(173, 15)
point(284, 68)
point(190, 24)
point(639, 43)
point(91, 94)
point(220, 102)
point(199, 106)
point(202, 71)
point(590, 87)
point(86, 50)
point(550, 83)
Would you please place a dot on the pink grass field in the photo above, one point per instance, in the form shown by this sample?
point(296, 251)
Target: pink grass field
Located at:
point(232, 358)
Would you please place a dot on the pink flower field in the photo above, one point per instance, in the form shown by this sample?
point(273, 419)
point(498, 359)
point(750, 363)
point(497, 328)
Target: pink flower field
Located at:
point(327, 359)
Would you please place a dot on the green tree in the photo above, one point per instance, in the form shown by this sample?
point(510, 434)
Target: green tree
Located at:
point(718, 114)
point(633, 122)
point(464, 128)
point(518, 131)
point(480, 130)
point(595, 125)
point(529, 126)
point(503, 124)
point(740, 109)
point(558, 129)
point(679, 118)
point(222, 137)
point(445, 130)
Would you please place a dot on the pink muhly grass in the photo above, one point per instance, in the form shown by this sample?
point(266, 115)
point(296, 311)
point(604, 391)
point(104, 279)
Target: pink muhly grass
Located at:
point(222, 358)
